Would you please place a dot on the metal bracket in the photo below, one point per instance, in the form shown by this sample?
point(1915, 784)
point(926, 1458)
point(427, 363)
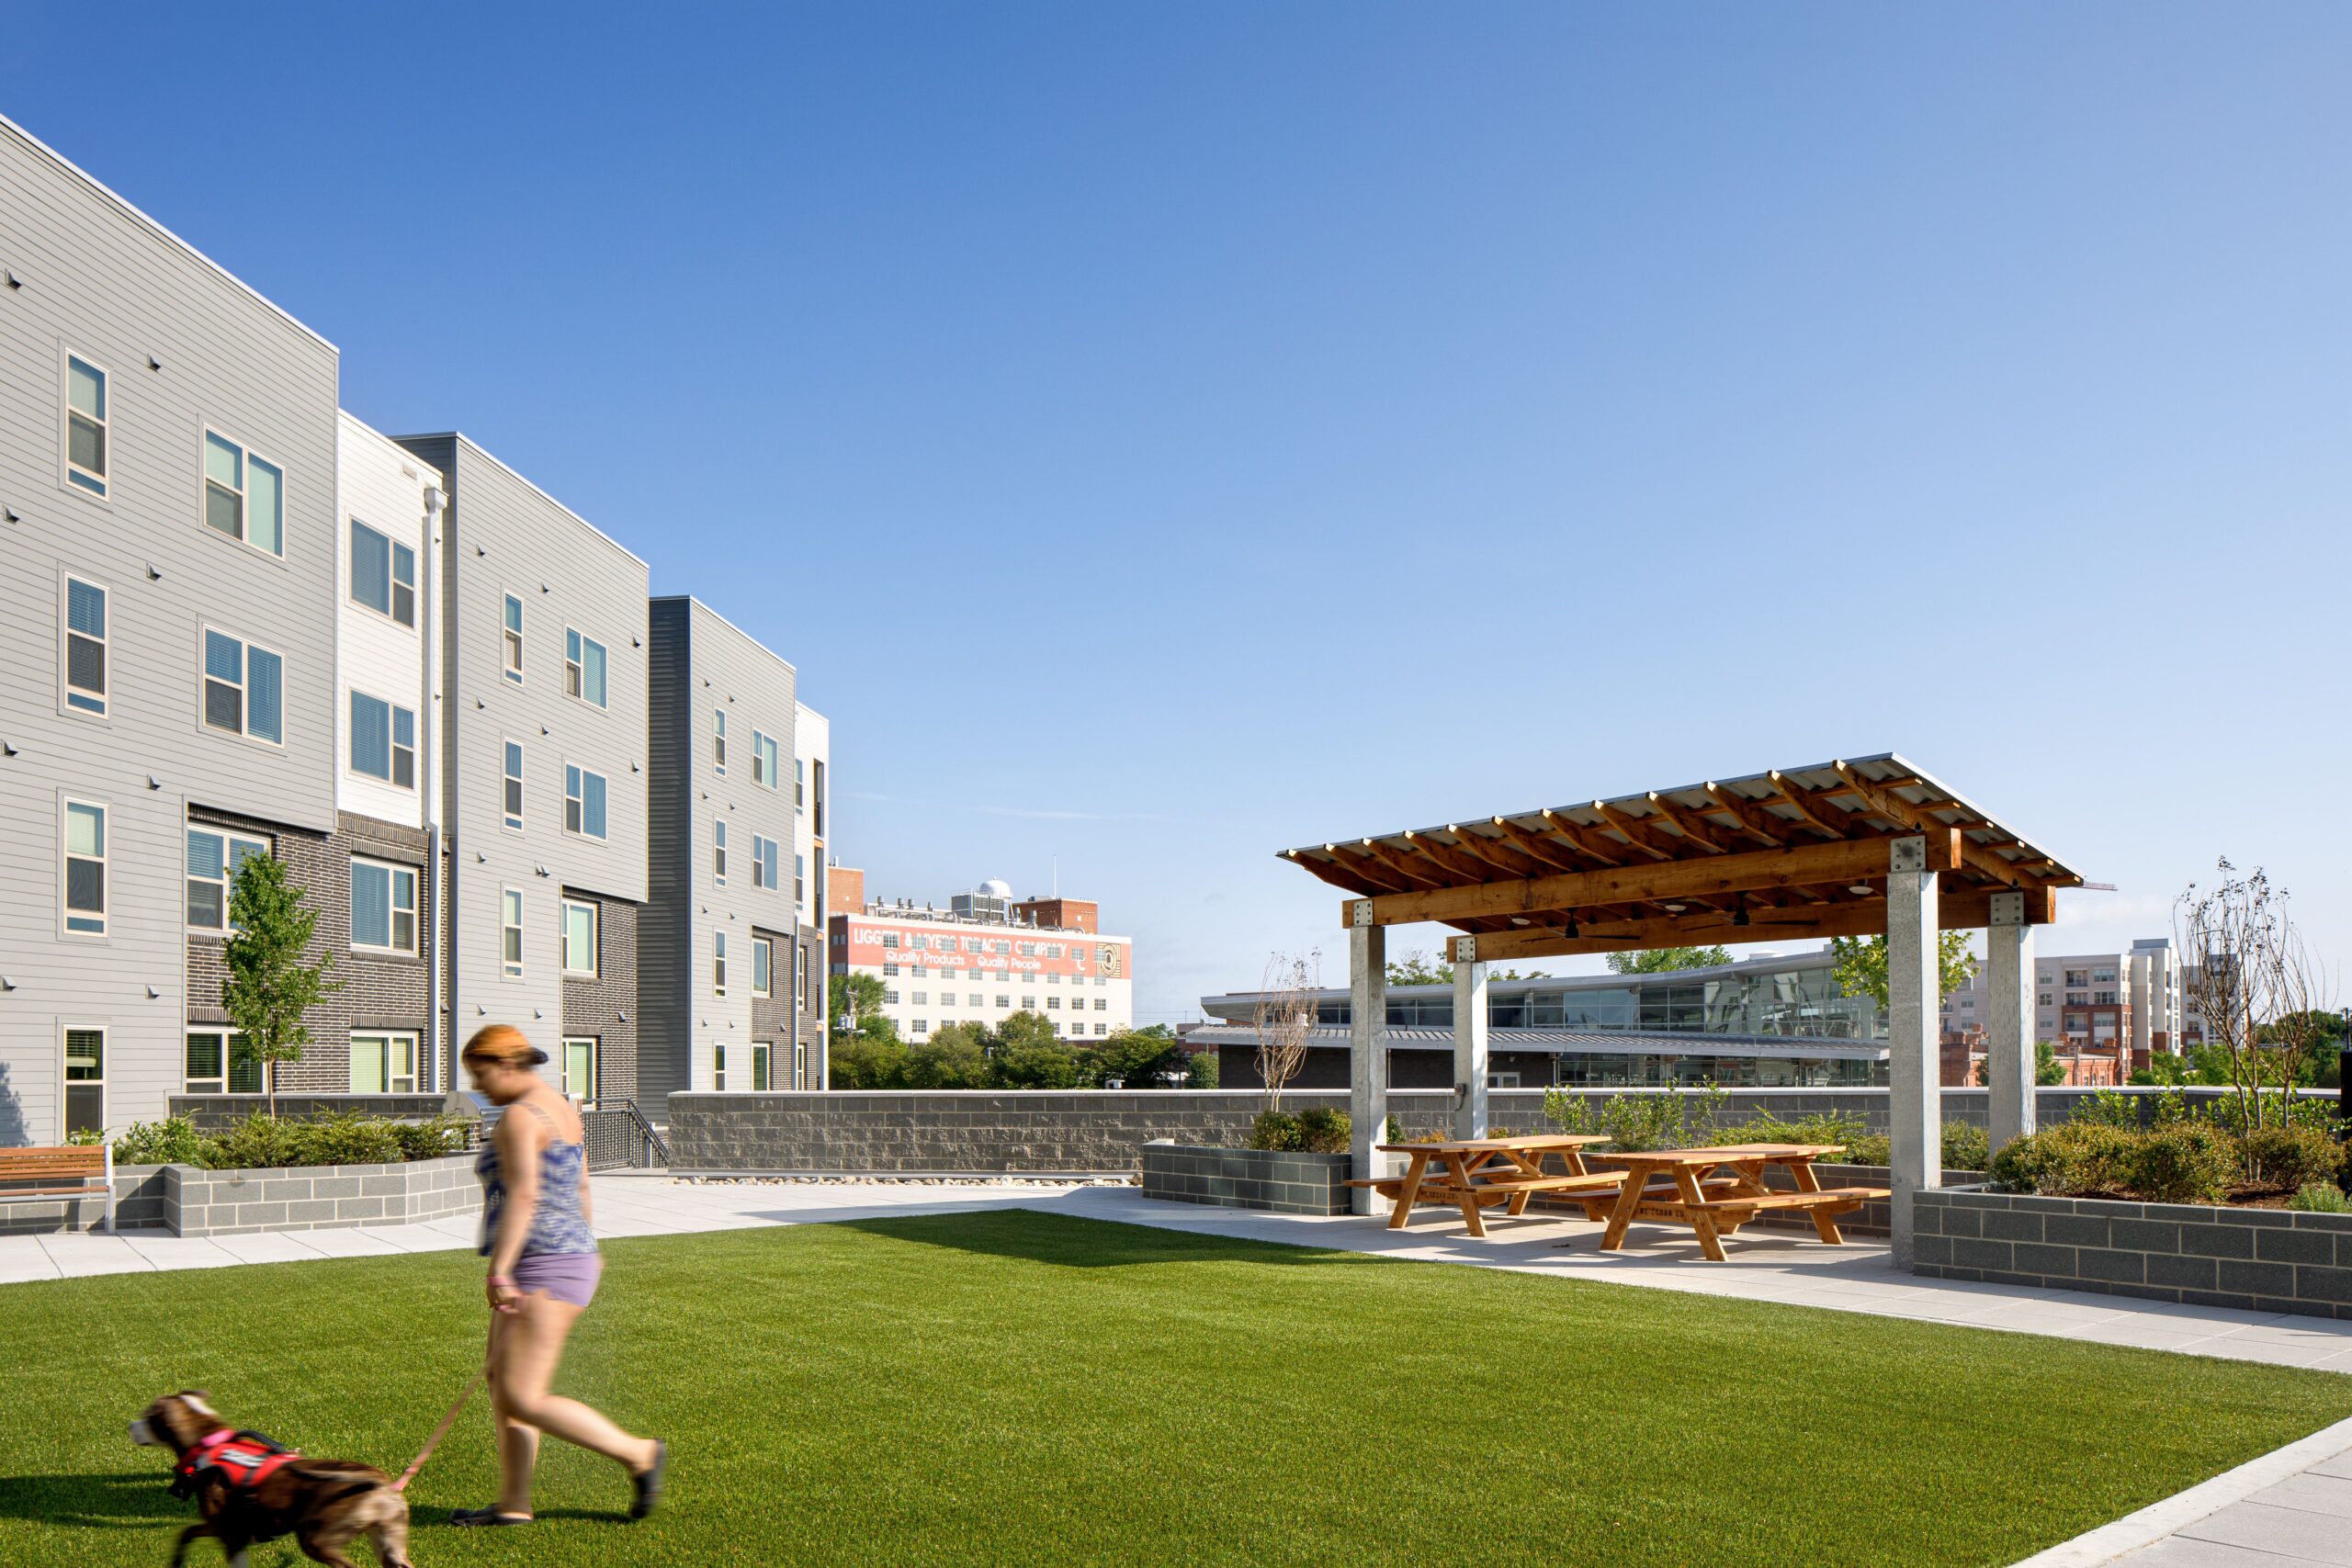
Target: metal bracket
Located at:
point(1361, 912)
point(2009, 908)
point(1465, 949)
point(1907, 854)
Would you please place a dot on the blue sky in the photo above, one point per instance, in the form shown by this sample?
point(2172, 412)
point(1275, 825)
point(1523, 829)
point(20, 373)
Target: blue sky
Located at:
point(1160, 436)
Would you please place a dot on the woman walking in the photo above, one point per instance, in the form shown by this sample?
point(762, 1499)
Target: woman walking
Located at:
point(543, 1271)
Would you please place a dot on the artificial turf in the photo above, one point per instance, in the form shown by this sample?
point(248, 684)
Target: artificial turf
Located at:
point(1018, 1387)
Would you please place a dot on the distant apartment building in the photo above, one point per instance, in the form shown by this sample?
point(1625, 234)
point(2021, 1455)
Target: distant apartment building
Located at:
point(980, 961)
point(811, 806)
point(721, 979)
point(2104, 1014)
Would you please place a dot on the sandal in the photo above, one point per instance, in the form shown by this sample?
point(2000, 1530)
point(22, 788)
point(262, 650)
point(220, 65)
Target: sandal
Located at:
point(486, 1517)
point(649, 1481)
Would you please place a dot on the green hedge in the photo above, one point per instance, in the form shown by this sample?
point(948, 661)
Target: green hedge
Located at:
point(2188, 1160)
point(262, 1141)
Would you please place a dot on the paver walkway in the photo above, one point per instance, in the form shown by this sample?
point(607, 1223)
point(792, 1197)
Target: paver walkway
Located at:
point(2271, 1521)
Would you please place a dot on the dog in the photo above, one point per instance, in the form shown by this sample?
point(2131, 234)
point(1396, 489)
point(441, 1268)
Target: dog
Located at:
point(252, 1488)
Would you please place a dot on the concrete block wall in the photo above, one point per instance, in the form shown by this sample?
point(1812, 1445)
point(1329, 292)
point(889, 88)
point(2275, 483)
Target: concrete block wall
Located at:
point(138, 1201)
point(323, 1197)
point(218, 1112)
point(2269, 1260)
point(1284, 1183)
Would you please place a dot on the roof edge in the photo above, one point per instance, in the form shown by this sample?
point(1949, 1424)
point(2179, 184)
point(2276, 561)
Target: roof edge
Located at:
point(523, 479)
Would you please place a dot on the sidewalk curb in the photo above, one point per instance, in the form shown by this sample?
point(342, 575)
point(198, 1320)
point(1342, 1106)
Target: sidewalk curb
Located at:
point(2169, 1517)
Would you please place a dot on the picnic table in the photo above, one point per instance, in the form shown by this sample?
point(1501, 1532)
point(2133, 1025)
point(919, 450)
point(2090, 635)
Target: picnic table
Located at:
point(1473, 1172)
point(1716, 1190)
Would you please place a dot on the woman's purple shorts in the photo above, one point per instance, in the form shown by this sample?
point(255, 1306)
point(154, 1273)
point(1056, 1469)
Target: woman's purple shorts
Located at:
point(569, 1277)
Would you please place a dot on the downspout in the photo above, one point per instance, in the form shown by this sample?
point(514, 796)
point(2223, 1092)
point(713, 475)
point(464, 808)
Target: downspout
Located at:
point(437, 800)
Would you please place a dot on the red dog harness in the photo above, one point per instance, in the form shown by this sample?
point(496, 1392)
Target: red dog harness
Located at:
point(243, 1460)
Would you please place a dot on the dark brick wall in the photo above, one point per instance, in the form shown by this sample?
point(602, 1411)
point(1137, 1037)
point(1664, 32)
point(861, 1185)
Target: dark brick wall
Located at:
point(1247, 1178)
point(2259, 1260)
point(596, 1007)
point(772, 1018)
point(811, 1023)
point(379, 991)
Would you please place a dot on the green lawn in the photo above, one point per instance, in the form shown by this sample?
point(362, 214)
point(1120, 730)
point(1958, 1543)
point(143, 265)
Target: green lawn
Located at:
point(1018, 1387)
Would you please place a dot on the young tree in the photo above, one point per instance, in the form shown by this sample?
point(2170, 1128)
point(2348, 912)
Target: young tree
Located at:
point(1660, 960)
point(2249, 978)
point(851, 1000)
point(268, 987)
point(1284, 1013)
point(1859, 965)
point(1417, 968)
point(1201, 1068)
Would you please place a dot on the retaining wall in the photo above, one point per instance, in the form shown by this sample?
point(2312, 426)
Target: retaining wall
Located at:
point(317, 1197)
point(1284, 1183)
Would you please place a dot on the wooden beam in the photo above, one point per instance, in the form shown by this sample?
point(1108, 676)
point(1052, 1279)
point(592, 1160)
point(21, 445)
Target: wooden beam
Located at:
point(1679, 880)
point(1408, 868)
point(1541, 847)
point(1800, 799)
point(1640, 834)
point(1693, 828)
point(1609, 852)
point(1335, 875)
point(1750, 815)
point(1495, 853)
point(1956, 911)
point(1901, 812)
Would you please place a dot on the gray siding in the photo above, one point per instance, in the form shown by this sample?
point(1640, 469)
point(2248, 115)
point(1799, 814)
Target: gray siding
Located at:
point(101, 280)
point(709, 665)
point(503, 535)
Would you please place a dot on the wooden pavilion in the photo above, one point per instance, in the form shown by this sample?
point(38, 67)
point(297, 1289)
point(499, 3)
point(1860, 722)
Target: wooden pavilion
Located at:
point(1849, 847)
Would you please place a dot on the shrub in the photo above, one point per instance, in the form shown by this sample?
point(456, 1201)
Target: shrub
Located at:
point(431, 1140)
point(2292, 1157)
point(2074, 1158)
point(1323, 1132)
point(2107, 1108)
point(2320, 1197)
point(1966, 1147)
point(259, 1142)
point(1638, 1122)
point(2189, 1162)
point(172, 1141)
point(1276, 1130)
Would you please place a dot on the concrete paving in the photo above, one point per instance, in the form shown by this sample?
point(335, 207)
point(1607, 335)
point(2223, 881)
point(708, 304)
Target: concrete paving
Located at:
point(2295, 1508)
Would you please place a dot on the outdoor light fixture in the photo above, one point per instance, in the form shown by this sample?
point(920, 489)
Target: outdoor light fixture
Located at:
point(1519, 919)
point(1861, 890)
point(154, 363)
point(1573, 932)
point(1674, 909)
point(154, 575)
point(14, 282)
point(10, 513)
point(1739, 916)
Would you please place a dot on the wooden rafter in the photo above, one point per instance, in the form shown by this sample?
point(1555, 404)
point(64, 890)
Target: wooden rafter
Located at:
point(1496, 853)
point(1638, 833)
point(1608, 851)
point(1887, 803)
point(1759, 823)
point(1541, 847)
point(1955, 913)
point(1692, 825)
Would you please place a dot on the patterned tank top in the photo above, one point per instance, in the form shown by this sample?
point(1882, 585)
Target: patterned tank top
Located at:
point(557, 1224)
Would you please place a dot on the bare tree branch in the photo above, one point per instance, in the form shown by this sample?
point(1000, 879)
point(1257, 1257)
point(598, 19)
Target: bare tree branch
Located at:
point(1284, 1015)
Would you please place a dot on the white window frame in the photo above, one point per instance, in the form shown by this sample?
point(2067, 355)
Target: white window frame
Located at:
point(718, 739)
point(596, 937)
point(227, 1037)
point(388, 1039)
point(65, 855)
point(760, 945)
point(246, 647)
point(511, 921)
point(764, 853)
point(393, 746)
point(762, 1066)
point(718, 964)
point(66, 1029)
point(393, 550)
point(96, 485)
point(246, 457)
point(394, 870)
point(575, 771)
point(575, 670)
point(595, 1065)
point(510, 639)
point(521, 759)
point(799, 881)
point(229, 840)
point(719, 850)
point(767, 761)
point(718, 1067)
point(799, 1064)
point(80, 702)
point(799, 787)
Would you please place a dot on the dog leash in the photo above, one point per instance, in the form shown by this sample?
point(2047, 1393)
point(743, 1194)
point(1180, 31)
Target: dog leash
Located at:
point(440, 1432)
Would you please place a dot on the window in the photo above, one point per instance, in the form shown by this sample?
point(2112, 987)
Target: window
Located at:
point(799, 879)
point(762, 1054)
point(579, 1066)
point(921, 999)
point(799, 791)
point(889, 968)
point(510, 930)
point(580, 946)
point(244, 688)
point(512, 792)
point(762, 967)
point(86, 868)
point(889, 998)
point(584, 802)
point(920, 1027)
point(801, 979)
point(718, 738)
point(383, 1064)
point(799, 1064)
point(85, 424)
point(763, 760)
point(584, 668)
point(1053, 1004)
point(85, 1080)
point(511, 640)
point(1101, 1004)
point(383, 740)
point(889, 939)
point(718, 1067)
point(244, 496)
point(1028, 1004)
point(763, 862)
point(718, 852)
point(1102, 1029)
point(974, 999)
point(220, 1063)
point(213, 857)
point(383, 574)
point(1004, 1001)
point(383, 906)
point(718, 964)
point(85, 646)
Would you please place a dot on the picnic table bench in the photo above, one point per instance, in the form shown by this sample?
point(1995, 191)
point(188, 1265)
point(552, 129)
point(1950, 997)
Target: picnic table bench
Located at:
point(1475, 1172)
point(1716, 1190)
point(73, 1171)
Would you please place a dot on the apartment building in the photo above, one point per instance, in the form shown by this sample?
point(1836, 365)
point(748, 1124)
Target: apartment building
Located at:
point(978, 962)
point(719, 945)
point(812, 757)
point(543, 764)
point(167, 496)
point(2105, 1013)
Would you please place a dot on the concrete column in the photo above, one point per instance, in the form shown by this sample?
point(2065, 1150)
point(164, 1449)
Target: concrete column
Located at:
point(2141, 995)
point(2009, 1031)
point(1368, 1061)
point(1469, 1040)
point(1912, 990)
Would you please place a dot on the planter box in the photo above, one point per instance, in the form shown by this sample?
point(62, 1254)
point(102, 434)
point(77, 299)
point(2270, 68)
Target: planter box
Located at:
point(2269, 1260)
point(1247, 1178)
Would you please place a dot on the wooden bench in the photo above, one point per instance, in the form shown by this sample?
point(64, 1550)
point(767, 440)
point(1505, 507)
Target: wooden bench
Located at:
point(73, 1172)
point(1716, 1190)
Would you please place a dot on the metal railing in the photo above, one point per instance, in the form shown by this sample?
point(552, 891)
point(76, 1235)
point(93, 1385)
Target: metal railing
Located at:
point(618, 1136)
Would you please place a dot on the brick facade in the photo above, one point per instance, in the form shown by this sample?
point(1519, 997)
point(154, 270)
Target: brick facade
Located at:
point(379, 991)
point(604, 1008)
